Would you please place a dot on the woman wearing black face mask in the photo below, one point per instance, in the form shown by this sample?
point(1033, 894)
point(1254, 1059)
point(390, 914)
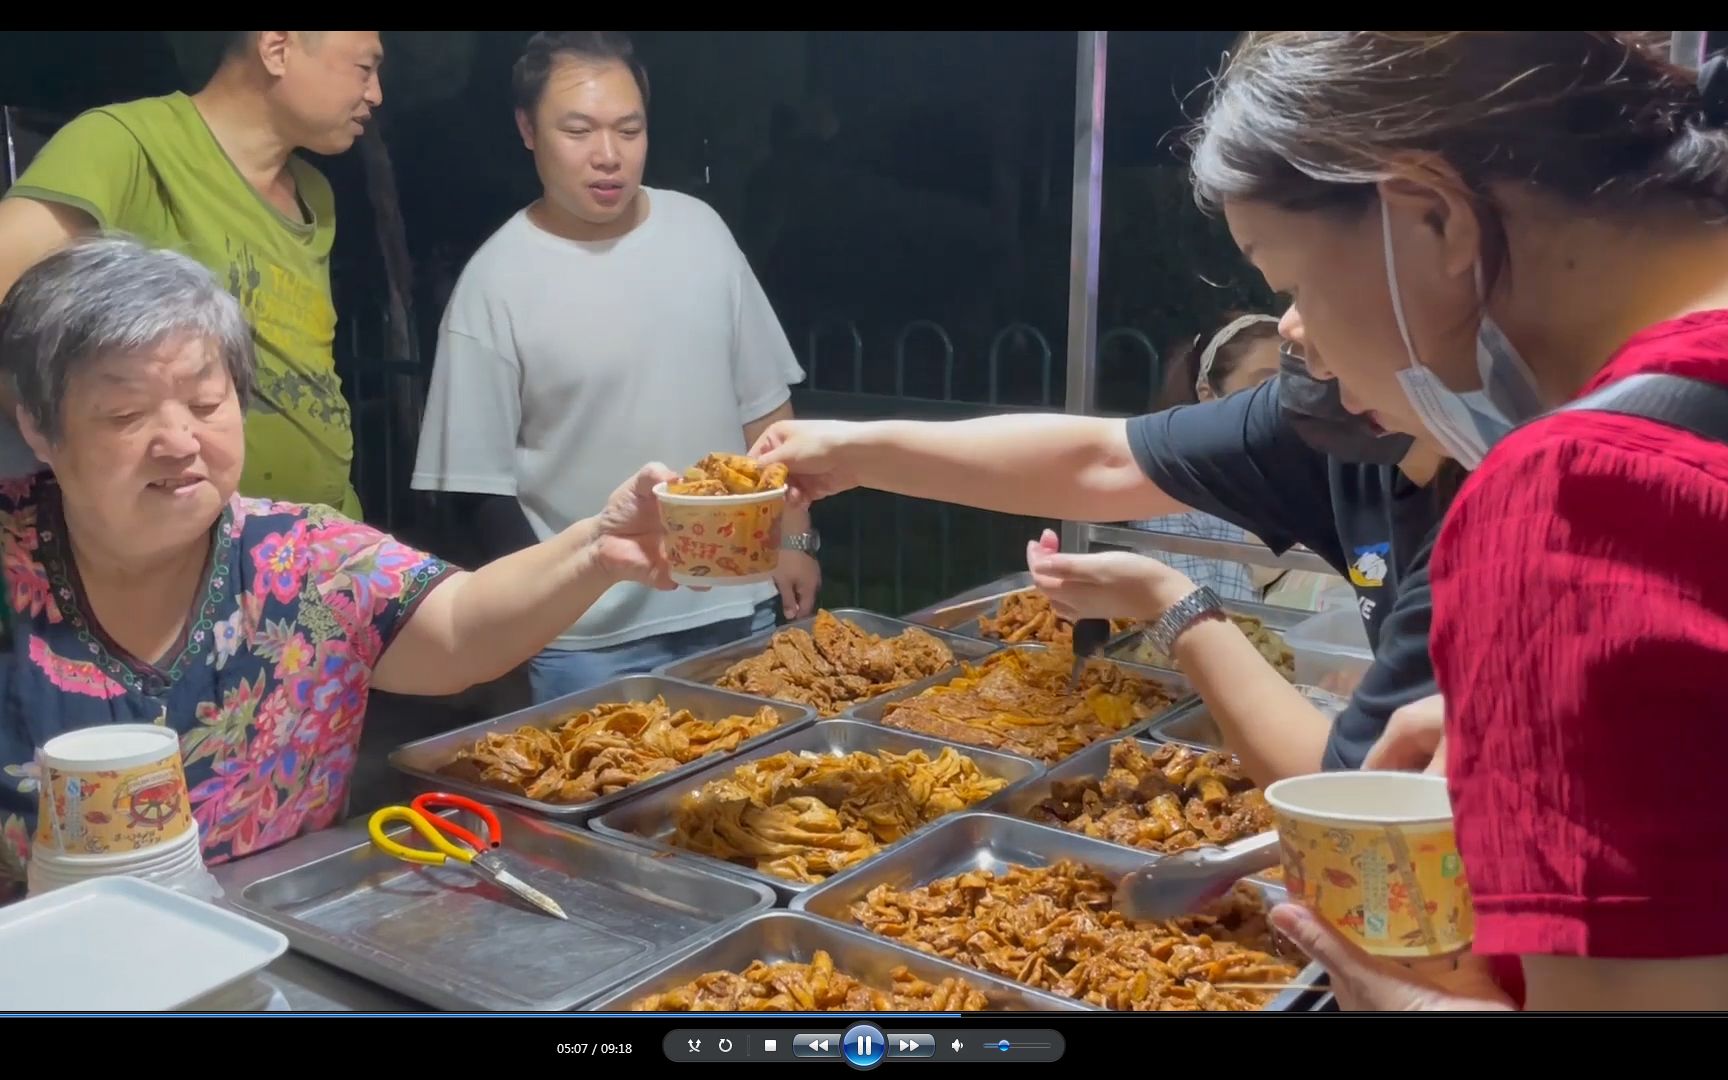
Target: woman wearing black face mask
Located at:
point(1242, 458)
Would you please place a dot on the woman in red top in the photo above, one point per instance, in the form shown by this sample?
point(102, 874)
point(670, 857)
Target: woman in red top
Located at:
point(1478, 226)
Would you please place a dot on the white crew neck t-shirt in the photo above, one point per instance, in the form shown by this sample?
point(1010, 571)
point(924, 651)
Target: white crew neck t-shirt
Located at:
point(565, 366)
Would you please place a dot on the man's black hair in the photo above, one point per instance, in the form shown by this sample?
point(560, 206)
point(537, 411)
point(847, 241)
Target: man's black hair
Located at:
point(528, 78)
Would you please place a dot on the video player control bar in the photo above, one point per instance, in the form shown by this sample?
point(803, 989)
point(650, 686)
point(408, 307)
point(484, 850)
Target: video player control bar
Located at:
point(862, 1044)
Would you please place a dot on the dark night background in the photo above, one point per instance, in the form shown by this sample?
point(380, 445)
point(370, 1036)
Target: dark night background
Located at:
point(892, 190)
point(905, 197)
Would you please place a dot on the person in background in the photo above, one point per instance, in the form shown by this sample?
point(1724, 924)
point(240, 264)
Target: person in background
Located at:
point(1368, 505)
point(1240, 355)
point(143, 589)
point(1482, 228)
point(606, 322)
point(217, 175)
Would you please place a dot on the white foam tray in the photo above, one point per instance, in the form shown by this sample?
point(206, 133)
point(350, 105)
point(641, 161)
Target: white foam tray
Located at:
point(121, 944)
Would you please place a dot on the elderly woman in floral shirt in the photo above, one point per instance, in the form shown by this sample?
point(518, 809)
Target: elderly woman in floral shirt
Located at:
point(141, 588)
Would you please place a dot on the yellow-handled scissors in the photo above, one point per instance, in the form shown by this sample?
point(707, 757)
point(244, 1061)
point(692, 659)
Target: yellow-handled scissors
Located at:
point(423, 816)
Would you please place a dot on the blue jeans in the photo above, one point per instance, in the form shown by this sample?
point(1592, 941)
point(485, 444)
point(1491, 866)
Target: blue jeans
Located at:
point(556, 672)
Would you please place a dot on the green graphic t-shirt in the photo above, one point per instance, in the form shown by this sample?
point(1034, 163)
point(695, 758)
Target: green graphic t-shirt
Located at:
point(152, 169)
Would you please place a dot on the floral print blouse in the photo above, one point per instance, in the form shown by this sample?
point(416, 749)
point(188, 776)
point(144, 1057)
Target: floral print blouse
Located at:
point(267, 685)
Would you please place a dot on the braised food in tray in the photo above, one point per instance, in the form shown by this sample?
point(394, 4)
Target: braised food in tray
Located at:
point(1267, 641)
point(1054, 928)
point(805, 816)
point(1019, 701)
point(1168, 800)
point(728, 474)
point(1027, 617)
point(601, 750)
point(814, 987)
point(835, 664)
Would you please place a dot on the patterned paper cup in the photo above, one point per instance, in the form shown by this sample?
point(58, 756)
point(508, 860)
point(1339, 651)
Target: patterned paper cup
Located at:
point(110, 790)
point(722, 539)
point(1373, 854)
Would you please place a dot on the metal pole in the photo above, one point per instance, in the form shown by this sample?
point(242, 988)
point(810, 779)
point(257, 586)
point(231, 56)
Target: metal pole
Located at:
point(1686, 47)
point(1083, 239)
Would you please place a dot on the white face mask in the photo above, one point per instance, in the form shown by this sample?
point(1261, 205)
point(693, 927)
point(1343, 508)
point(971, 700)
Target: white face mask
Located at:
point(1465, 424)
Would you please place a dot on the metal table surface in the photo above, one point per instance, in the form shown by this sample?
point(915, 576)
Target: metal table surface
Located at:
point(310, 985)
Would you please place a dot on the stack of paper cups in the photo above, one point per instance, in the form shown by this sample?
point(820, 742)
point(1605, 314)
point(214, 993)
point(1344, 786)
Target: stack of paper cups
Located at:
point(113, 800)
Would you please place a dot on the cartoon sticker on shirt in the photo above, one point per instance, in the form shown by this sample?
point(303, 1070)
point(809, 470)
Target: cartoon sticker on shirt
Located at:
point(1368, 568)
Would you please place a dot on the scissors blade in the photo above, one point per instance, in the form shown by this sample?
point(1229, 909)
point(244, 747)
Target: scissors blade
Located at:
point(527, 892)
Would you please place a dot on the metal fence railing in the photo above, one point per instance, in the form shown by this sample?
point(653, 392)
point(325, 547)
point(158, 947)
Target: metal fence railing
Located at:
point(892, 553)
point(880, 551)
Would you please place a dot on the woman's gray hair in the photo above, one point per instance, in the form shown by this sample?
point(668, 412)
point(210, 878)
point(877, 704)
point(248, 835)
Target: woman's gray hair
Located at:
point(105, 296)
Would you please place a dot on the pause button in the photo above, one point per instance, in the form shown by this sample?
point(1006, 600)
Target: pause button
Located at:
point(863, 1045)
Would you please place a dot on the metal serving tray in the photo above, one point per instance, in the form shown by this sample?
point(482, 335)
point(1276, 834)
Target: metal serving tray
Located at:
point(1192, 726)
point(966, 616)
point(651, 818)
point(707, 667)
point(789, 936)
point(989, 841)
point(1094, 761)
point(441, 936)
point(423, 758)
point(965, 608)
point(1279, 620)
point(873, 710)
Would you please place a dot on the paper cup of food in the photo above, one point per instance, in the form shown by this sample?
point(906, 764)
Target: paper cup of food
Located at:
point(1373, 854)
point(110, 790)
point(722, 521)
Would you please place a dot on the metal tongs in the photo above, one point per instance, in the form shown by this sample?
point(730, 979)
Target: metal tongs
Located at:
point(1089, 637)
point(1178, 885)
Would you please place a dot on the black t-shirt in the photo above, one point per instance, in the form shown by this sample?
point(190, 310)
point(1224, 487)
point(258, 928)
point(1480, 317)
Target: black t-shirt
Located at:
point(1238, 459)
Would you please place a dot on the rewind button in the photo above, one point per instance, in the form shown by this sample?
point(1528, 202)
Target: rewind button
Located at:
point(910, 1046)
point(805, 1046)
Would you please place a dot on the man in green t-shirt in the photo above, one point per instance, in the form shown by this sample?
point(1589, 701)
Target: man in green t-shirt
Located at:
point(215, 175)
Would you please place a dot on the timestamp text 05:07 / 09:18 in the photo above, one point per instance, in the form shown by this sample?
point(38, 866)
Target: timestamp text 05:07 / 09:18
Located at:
point(595, 1048)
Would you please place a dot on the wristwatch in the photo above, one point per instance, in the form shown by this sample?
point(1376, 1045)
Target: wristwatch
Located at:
point(1180, 616)
point(807, 542)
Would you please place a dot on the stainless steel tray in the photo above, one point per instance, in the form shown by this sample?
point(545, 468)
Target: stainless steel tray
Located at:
point(423, 758)
point(872, 711)
point(789, 936)
point(1279, 620)
point(707, 667)
point(652, 818)
point(1090, 762)
point(961, 607)
point(1191, 726)
point(967, 619)
point(440, 936)
point(994, 842)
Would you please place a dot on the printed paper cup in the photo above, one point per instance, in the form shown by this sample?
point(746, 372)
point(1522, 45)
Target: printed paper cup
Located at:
point(111, 789)
point(1373, 854)
point(183, 850)
point(722, 539)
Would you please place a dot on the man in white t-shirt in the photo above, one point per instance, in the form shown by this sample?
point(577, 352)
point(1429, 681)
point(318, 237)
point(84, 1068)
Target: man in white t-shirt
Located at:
point(605, 325)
